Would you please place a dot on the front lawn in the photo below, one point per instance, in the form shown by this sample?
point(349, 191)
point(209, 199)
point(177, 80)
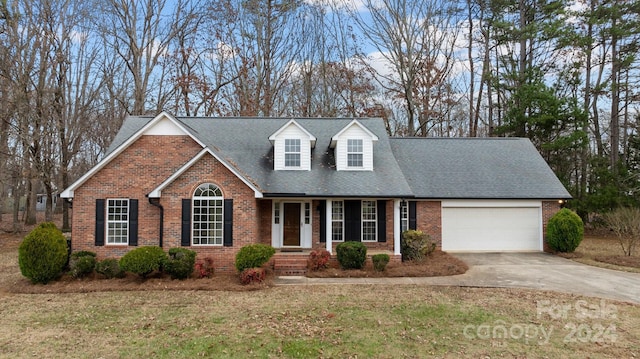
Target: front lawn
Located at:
point(337, 321)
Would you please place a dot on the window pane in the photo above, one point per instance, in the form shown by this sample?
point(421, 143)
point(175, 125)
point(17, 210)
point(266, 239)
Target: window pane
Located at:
point(207, 215)
point(117, 221)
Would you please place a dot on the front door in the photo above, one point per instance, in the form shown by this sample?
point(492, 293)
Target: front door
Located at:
point(291, 236)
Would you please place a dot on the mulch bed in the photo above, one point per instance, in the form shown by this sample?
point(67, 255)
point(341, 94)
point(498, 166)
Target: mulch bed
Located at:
point(437, 264)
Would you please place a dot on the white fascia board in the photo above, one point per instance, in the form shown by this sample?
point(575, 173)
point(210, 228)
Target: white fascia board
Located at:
point(312, 138)
point(157, 192)
point(69, 192)
point(355, 122)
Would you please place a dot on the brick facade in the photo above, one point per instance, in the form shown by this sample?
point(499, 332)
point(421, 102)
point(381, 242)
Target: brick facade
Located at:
point(429, 219)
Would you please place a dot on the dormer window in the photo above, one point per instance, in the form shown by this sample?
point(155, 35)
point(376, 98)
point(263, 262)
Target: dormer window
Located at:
point(353, 147)
point(292, 152)
point(354, 153)
point(292, 145)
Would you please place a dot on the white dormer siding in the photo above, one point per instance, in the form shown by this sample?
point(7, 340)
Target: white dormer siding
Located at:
point(353, 143)
point(286, 150)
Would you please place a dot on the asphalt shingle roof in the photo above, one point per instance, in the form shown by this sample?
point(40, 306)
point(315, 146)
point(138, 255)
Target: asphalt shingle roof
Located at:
point(492, 168)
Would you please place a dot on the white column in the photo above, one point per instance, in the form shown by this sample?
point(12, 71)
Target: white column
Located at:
point(329, 244)
point(396, 227)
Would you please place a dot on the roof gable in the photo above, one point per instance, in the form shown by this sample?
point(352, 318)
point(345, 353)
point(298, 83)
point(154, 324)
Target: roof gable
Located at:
point(346, 128)
point(299, 128)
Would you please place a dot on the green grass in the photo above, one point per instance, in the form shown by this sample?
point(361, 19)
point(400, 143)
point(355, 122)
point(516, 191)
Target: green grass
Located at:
point(298, 322)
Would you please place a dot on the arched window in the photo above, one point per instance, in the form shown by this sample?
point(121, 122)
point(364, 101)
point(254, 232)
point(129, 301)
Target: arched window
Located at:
point(207, 215)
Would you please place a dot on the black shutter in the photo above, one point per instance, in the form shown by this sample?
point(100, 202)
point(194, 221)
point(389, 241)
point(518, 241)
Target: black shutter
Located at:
point(413, 223)
point(382, 221)
point(133, 222)
point(322, 207)
point(228, 223)
point(353, 221)
point(185, 238)
point(99, 232)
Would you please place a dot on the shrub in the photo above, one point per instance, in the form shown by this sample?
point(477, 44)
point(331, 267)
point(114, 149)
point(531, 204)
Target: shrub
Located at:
point(180, 263)
point(204, 267)
point(253, 256)
point(43, 253)
point(252, 275)
point(351, 255)
point(143, 260)
point(79, 254)
point(81, 266)
point(380, 261)
point(416, 245)
point(565, 231)
point(318, 259)
point(625, 223)
point(109, 268)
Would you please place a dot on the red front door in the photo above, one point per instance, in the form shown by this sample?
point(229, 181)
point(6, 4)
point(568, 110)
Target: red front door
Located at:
point(291, 236)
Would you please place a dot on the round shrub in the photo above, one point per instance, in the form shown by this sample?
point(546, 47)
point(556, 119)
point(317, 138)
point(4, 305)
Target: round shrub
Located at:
point(351, 255)
point(109, 268)
point(253, 256)
point(180, 263)
point(79, 254)
point(564, 231)
point(143, 260)
point(81, 266)
point(380, 261)
point(43, 253)
point(416, 245)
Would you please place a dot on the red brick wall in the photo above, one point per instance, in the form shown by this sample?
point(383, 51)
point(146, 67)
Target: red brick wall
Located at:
point(549, 208)
point(429, 219)
point(141, 168)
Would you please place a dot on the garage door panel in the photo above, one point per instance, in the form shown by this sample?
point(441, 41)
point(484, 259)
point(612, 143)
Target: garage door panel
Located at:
point(491, 229)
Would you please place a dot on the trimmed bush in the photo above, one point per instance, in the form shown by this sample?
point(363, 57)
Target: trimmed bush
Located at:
point(253, 256)
point(416, 245)
point(180, 263)
point(565, 231)
point(204, 267)
point(380, 261)
point(351, 255)
point(252, 275)
point(79, 254)
point(82, 266)
point(143, 260)
point(109, 268)
point(43, 253)
point(318, 259)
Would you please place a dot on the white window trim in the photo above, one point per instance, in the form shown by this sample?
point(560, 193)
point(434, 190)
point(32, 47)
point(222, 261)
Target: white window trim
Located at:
point(404, 216)
point(109, 238)
point(341, 221)
point(374, 221)
point(193, 221)
point(299, 153)
point(361, 153)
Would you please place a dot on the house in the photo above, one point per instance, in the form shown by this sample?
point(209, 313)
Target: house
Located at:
point(217, 184)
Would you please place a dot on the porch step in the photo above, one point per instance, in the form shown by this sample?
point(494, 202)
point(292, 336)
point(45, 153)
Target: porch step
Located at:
point(290, 263)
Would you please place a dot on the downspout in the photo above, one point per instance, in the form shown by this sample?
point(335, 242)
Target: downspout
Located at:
point(156, 202)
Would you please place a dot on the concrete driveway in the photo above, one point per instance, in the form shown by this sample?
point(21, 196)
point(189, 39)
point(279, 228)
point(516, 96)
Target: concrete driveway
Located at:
point(517, 270)
point(548, 272)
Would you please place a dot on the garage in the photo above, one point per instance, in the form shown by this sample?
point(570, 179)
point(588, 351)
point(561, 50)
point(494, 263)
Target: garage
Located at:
point(491, 226)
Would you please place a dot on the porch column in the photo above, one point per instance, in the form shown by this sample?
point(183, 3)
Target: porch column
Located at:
point(329, 243)
point(396, 227)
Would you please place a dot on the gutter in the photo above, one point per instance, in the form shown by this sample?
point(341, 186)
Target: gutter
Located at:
point(156, 202)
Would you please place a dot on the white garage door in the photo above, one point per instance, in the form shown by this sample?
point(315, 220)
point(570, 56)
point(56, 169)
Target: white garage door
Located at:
point(491, 229)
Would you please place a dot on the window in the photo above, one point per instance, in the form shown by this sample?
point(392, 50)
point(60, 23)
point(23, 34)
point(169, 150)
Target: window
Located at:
point(307, 213)
point(369, 221)
point(276, 213)
point(292, 152)
point(354, 153)
point(117, 221)
point(337, 220)
point(404, 216)
point(207, 215)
